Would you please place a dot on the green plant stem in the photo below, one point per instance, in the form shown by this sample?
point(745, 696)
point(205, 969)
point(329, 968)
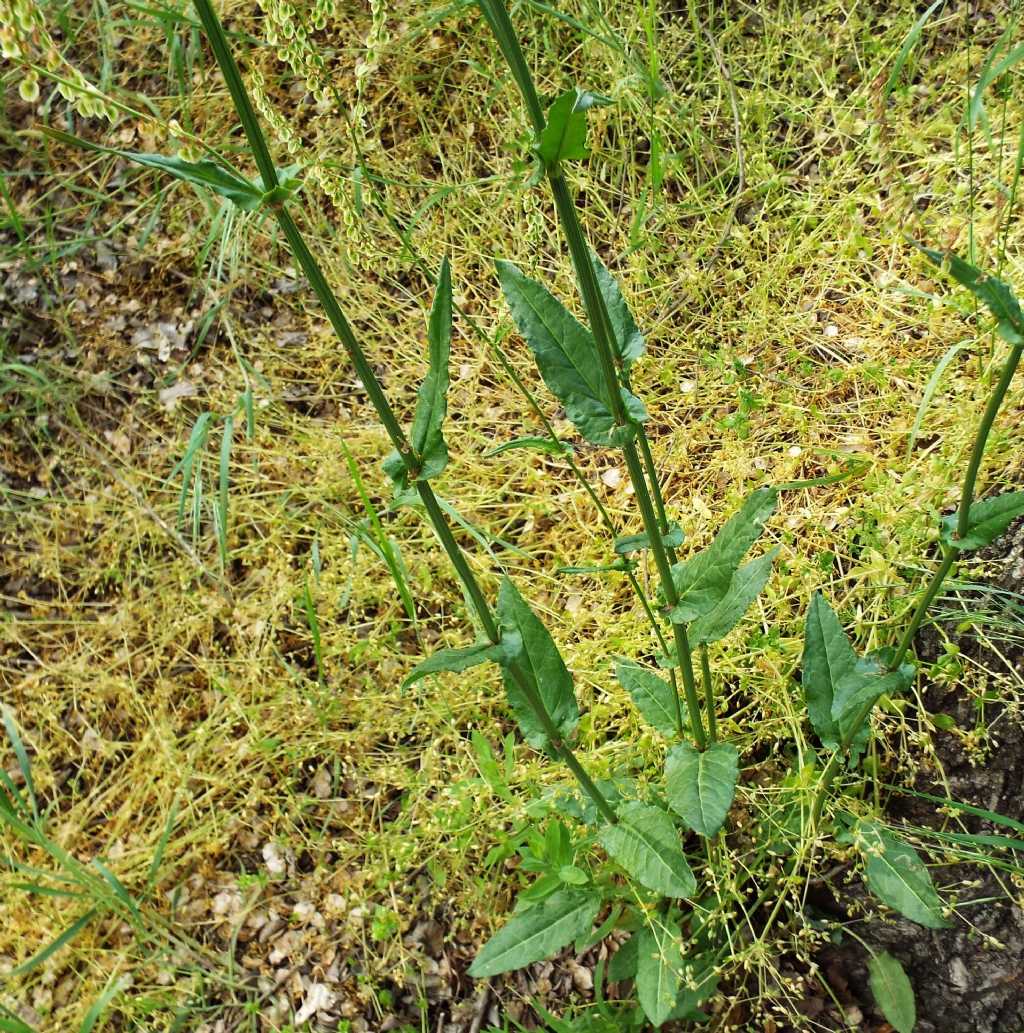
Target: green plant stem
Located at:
point(313, 273)
point(709, 693)
point(500, 24)
point(949, 553)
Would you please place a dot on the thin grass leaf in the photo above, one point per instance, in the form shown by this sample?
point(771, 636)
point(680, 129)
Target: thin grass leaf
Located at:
point(312, 620)
point(161, 846)
point(102, 1003)
point(196, 440)
point(55, 945)
point(224, 482)
point(966, 808)
point(21, 755)
point(990, 74)
point(929, 391)
point(118, 888)
point(908, 45)
point(12, 1024)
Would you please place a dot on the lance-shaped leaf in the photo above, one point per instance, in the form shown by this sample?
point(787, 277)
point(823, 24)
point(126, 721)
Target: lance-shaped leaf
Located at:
point(432, 401)
point(746, 585)
point(629, 342)
point(892, 992)
point(538, 932)
point(993, 292)
point(986, 521)
point(701, 784)
point(839, 688)
point(223, 181)
point(659, 971)
point(456, 660)
point(898, 877)
point(654, 696)
point(567, 358)
point(629, 543)
point(703, 581)
point(564, 137)
point(528, 644)
point(646, 844)
point(531, 444)
point(623, 962)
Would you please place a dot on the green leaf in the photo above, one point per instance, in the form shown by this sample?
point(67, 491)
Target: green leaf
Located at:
point(701, 784)
point(531, 646)
point(538, 932)
point(432, 401)
point(567, 358)
point(221, 180)
point(746, 585)
point(623, 962)
point(839, 688)
point(533, 444)
point(993, 292)
point(629, 342)
point(659, 973)
point(898, 877)
point(704, 580)
point(455, 660)
point(564, 138)
point(828, 659)
point(645, 842)
point(986, 521)
point(629, 543)
point(892, 991)
point(652, 695)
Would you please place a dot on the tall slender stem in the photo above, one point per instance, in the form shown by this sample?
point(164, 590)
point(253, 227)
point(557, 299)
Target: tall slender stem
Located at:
point(500, 24)
point(709, 693)
point(963, 522)
point(313, 273)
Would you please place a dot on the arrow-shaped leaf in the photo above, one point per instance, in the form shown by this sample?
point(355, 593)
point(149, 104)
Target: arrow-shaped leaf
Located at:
point(567, 358)
point(538, 932)
point(659, 972)
point(746, 585)
point(653, 696)
point(432, 400)
point(646, 844)
point(892, 992)
point(701, 784)
point(986, 521)
point(564, 137)
point(455, 660)
point(898, 877)
point(529, 644)
point(629, 342)
point(993, 292)
point(703, 580)
point(221, 180)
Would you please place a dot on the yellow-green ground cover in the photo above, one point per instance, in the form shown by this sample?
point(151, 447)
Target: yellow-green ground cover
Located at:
point(328, 828)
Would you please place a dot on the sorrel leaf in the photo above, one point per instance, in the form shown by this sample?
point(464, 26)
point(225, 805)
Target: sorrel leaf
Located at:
point(701, 784)
point(564, 137)
point(898, 877)
point(993, 292)
point(530, 645)
point(702, 581)
point(986, 521)
point(432, 400)
point(659, 971)
point(538, 932)
point(629, 342)
point(645, 842)
point(892, 992)
point(566, 356)
point(653, 696)
point(746, 585)
point(460, 659)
